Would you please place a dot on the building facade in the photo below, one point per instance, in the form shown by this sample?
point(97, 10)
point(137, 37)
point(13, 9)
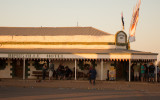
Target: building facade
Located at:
point(24, 50)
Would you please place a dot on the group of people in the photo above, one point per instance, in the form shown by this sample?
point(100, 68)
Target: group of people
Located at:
point(140, 71)
point(61, 72)
point(65, 72)
point(144, 72)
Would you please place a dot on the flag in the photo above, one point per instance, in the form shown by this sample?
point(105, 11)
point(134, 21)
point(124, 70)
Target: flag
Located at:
point(122, 20)
point(134, 22)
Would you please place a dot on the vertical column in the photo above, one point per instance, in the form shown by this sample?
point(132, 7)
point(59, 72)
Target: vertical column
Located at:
point(49, 67)
point(129, 70)
point(24, 68)
point(75, 69)
point(101, 69)
point(49, 63)
point(155, 63)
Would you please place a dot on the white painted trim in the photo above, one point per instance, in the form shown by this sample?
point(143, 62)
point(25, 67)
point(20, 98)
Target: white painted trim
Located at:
point(101, 69)
point(75, 69)
point(144, 57)
point(79, 56)
point(129, 70)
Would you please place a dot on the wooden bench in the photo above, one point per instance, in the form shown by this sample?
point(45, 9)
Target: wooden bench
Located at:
point(39, 74)
point(80, 75)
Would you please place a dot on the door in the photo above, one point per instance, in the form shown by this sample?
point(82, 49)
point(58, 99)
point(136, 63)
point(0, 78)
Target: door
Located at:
point(119, 70)
point(122, 70)
point(19, 69)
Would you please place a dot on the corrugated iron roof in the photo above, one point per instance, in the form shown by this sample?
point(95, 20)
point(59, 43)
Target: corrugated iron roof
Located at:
point(51, 31)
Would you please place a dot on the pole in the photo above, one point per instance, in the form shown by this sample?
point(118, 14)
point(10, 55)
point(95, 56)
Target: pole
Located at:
point(75, 69)
point(101, 69)
point(156, 71)
point(128, 46)
point(24, 68)
point(129, 70)
point(49, 68)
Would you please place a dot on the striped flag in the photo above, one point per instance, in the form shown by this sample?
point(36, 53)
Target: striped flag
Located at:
point(134, 22)
point(122, 20)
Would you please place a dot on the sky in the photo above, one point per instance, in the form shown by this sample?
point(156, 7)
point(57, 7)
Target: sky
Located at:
point(101, 14)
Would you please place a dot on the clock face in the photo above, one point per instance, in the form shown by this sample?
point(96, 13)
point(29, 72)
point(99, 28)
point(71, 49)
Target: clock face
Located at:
point(121, 37)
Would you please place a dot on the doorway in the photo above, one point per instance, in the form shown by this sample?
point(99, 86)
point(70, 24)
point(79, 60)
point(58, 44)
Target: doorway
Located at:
point(18, 69)
point(122, 70)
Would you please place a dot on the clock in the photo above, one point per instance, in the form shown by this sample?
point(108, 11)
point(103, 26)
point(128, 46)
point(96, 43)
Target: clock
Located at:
point(121, 38)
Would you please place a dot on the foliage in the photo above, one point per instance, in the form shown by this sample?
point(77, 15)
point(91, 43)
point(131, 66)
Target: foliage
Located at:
point(13, 64)
point(26, 68)
point(3, 64)
point(38, 65)
point(82, 65)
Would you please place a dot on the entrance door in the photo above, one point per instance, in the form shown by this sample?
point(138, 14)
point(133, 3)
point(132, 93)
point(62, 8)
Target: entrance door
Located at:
point(19, 69)
point(121, 70)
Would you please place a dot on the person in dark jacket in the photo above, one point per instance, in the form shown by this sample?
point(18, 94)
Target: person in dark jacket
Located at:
point(67, 73)
point(151, 72)
point(44, 69)
point(93, 74)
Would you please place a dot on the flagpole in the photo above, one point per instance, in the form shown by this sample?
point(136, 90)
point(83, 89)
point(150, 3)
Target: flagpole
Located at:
point(122, 21)
point(134, 21)
point(128, 46)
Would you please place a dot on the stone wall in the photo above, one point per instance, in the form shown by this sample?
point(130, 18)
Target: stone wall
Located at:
point(106, 66)
point(58, 42)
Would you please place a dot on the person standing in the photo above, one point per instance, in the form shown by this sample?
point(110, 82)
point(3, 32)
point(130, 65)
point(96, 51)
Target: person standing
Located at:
point(158, 74)
point(136, 71)
point(151, 72)
point(68, 73)
point(146, 72)
point(93, 74)
point(89, 74)
point(44, 69)
point(142, 72)
point(158, 71)
point(51, 70)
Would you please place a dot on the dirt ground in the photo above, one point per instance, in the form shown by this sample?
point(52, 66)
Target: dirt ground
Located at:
point(83, 84)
